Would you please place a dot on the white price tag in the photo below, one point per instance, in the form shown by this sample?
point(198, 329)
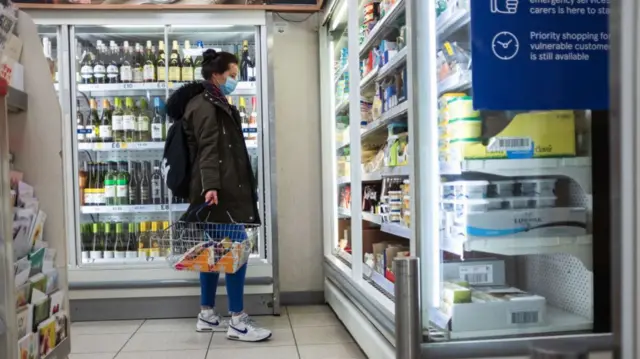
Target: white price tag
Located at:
point(476, 274)
point(161, 85)
point(127, 85)
point(117, 209)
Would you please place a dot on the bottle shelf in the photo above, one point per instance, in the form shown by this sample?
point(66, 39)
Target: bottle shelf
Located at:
point(378, 278)
point(396, 229)
point(373, 218)
point(148, 208)
point(244, 88)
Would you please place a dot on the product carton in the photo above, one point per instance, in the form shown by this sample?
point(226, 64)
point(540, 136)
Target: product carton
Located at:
point(527, 135)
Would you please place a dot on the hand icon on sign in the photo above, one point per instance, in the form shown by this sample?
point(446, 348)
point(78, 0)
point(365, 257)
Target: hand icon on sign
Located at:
point(504, 6)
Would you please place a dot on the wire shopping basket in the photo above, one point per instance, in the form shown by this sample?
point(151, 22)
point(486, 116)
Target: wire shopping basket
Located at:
point(203, 246)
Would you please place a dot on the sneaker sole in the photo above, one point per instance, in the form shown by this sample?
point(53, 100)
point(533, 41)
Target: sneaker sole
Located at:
point(245, 339)
point(210, 330)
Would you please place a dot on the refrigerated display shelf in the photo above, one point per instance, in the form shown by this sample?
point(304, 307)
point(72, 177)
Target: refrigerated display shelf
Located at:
point(398, 171)
point(340, 72)
point(383, 284)
point(344, 212)
point(395, 62)
point(451, 21)
point(115, 146)
point(124, 261)
point(149, 208)
point(344, 180)
point(557, 319)
point(459, 81)
point(576, 168)
point(369, 177)
point(369, 79)
point(371, 217)
point(578, 246)
point(386, 118)
point(244, 88)
point(396, 229)
point(383, 26)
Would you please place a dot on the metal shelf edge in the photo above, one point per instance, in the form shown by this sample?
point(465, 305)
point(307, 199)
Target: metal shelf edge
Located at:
point(386, 117)
point(394, 63)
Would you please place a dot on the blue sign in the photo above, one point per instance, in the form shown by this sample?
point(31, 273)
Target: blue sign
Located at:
point(540, 54)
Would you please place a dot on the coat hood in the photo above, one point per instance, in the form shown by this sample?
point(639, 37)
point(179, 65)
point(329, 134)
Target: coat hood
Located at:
point(177, 103)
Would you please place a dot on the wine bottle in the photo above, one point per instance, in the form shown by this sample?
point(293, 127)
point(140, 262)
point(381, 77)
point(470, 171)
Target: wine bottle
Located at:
point(244, 119)
point(96, 250)
point(126, 69)
point(143, 241)
point(157, 123)
point(85, 241)
point(120, 244)
point(134, 188)
point(129, 122)
point(149, 64)
point(105, 123)
point(156, 184)
point(160, 66)
point(117, 121)
point(174, 63)
point(138, 65)
point(110, 185)
point(109, 242)
point(86, 67)
point(122, 184)
point(113, 71)
point(246, 64)
point(132, 241)
point(80, 125)
point(99, 194)
point(197, 69)
point(99, 69)
point(154, 241)
point(145, 186)
point(144, 130)
point(187, 63)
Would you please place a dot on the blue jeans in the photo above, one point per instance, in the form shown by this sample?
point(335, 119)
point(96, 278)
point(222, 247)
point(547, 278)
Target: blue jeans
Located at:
point(235, 281)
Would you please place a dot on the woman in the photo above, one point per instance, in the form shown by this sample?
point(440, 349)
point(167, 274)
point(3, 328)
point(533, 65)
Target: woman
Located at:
point(222, 189)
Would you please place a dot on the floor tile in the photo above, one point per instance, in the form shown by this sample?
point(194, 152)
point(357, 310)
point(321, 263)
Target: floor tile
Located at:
point(281, 337)
point(85, 343)
point(170, 354)
point(308, 309)
point(272, 322)
point(92, 356)
point(322, 335)
point(168, 325)
point(331, 351)
point(289, 352)
point(314, 320)
point(168, 341)
point(106, 327)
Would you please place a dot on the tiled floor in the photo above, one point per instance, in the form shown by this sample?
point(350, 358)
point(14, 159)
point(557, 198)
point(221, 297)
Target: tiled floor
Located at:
point(311, 332)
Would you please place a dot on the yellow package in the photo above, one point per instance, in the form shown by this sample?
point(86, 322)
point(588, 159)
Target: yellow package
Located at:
point(528, 135)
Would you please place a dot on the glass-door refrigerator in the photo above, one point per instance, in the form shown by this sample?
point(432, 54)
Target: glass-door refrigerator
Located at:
point(115, 74)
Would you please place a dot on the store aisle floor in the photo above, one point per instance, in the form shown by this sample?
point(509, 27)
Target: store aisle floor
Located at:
point(305, 332)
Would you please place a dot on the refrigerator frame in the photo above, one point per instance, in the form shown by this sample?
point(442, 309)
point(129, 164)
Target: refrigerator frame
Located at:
point(262, 272)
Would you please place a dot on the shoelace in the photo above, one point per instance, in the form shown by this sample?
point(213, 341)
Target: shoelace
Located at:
point(246, 320)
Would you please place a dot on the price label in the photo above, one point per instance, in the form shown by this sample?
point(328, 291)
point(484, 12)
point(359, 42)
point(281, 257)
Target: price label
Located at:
point(476, 274)
point(115, 145)
point(250, 130)
point(127, 85)
point(142, 144)
point(117, 209)
point(164, 207)
point(162, 85)
point(94, 87)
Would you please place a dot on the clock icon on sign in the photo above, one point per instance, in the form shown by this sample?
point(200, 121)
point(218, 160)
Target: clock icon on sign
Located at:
point(505, 45)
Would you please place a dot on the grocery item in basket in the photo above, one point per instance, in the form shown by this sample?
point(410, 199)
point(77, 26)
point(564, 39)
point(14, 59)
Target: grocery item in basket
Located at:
point(195, 259)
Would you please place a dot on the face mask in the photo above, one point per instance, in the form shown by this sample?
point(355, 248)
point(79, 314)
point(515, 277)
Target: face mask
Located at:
point(229, 86)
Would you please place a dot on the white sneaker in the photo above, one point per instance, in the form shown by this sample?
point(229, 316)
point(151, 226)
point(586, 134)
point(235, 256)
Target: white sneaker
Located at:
point(242, 328)
point(210, 321)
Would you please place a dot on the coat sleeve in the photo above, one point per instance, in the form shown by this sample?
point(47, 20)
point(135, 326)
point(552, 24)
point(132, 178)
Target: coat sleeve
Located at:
point(207, 133)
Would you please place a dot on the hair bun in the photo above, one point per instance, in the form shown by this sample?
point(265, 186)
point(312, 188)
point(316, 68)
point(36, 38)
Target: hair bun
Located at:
point(210, 55)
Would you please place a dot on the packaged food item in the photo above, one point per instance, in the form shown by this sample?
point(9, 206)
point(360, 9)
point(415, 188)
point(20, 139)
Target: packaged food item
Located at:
point(502, 188)
point(464, 128)
point(532, 202)
point(463, 206)
point(537, 186)
point(455, 294)
point(465, 189)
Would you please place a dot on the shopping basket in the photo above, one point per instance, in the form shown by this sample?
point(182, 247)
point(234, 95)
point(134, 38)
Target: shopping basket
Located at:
point(203, 246)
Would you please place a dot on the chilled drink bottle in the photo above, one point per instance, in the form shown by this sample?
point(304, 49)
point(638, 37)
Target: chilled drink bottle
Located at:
point(96, 249)
point(110, 185)
point(187, 63)
point(132, 241)
point(143, 241)
point(174, 63)
point(117, 121)
point(162, 62)
point(109, 241)
point(134, 188)
point(156, 184)
point(99, 67)
point(126, 69)
point(149, 64)
point(197, 65)
point(144, 123)
point(80, 125)
point(129, 121)
point(120, 247)
point(122, 184)
point(157, 133)
point(94, 122)
point(106, 134)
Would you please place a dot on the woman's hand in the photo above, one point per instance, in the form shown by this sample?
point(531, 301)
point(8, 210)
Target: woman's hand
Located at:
point(211, 197)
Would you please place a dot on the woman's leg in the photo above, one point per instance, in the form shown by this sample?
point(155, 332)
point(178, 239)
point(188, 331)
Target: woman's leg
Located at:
point(235, 290)
point(208, 319)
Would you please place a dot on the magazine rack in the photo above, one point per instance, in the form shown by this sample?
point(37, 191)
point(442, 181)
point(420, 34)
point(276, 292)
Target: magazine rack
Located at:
point(30, 130)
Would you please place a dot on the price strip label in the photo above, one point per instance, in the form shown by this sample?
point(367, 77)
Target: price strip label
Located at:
point(140, 208)
point(476, 274)
point(127, 85)
point(118, 145)
point(118, 209)
point(142, 145)
point(164, 207)
point(162, 85)
point(250, 130)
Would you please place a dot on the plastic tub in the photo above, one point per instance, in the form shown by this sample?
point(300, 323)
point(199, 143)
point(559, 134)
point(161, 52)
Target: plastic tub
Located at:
point(532, 202)
point(474, 205)
point(543, 187)
point(502, 188)
point(471, 189)
point(463, 128)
